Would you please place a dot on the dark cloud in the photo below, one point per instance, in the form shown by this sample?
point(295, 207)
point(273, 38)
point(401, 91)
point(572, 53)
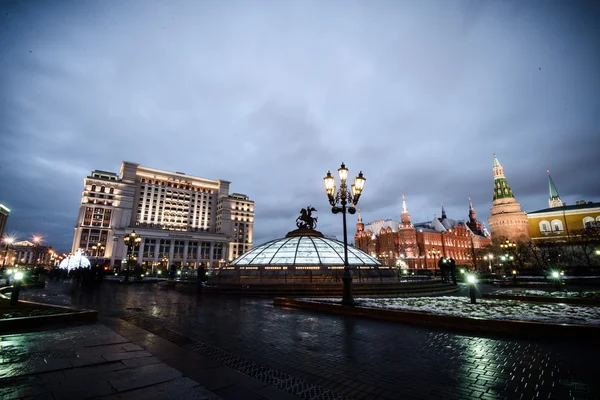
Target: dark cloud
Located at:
point(272, 95)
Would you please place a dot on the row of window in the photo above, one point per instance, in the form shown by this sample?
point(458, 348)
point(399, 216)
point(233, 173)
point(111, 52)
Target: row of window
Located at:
point(102, 189)
point(556, 225)
point(176, 185)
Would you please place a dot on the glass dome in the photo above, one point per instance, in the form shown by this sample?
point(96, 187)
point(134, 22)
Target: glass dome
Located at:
point(77, 260)
point(304, 250)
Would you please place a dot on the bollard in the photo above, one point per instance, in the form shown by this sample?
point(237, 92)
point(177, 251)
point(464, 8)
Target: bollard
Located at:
point(14, 295)
point(471, 281)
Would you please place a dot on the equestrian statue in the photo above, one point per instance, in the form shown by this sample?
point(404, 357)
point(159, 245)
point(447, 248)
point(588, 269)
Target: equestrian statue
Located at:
point(305, 220)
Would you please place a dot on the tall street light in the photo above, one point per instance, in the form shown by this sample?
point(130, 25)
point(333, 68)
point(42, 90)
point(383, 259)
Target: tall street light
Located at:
point(509, 246)
point(132, 241)
point(489, 257)
point(343, 196)
point(433, 253)
point(98, 247)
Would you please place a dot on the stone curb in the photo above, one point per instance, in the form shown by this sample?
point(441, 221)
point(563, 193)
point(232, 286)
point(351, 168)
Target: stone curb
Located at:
point(71, 316)
point(462, 324)
point(411, 289)
point(581, 301)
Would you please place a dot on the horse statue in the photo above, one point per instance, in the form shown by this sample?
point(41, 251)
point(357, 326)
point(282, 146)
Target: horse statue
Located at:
point(305, 220)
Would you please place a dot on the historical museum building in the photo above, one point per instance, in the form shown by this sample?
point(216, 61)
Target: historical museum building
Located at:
point(182, 220)
point(507, 221)
point(28, 253)
point(421, 245)
point(561, 222)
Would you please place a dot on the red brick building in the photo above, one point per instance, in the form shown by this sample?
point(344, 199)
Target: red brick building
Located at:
point(421, 245)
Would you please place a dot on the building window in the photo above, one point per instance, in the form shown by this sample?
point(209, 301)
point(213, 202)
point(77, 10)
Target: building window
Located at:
point(557, 225)
point(588, 222)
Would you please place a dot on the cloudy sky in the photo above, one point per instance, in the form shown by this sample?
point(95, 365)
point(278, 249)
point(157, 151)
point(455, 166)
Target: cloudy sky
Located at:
point(272, 94)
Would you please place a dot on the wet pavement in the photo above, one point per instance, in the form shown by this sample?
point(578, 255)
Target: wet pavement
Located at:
point(244, 348)
point(89, 361)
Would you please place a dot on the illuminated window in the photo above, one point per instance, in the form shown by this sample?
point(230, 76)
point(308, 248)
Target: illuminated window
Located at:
point(589, 222)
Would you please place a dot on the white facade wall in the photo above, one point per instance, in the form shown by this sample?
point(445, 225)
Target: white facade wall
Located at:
point(183, 220)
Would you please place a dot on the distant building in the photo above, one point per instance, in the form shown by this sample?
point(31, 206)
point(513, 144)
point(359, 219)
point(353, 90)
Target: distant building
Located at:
point(561, 222)
point(183, 220)
point(507, 220)
point(27, 253)
point(4, 212)
point(422, 245)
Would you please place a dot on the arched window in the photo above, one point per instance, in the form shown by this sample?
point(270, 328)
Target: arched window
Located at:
point(111, 191)
point(102, 188)
point(93, 188)
point(588, 222)
point(544, 226)
point(557, 225)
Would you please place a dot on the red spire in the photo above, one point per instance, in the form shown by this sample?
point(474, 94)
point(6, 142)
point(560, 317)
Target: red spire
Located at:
point(472, 215)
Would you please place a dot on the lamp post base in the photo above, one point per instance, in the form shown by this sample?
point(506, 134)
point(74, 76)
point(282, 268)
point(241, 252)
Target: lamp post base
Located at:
point(347, 299)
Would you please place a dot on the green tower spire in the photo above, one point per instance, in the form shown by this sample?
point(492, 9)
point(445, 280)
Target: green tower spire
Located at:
point(554, 200)
point(501, 188)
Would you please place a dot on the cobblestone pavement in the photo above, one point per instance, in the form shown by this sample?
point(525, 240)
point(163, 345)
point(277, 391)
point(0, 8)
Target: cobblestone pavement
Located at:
point(314, 355)
point(87, 362)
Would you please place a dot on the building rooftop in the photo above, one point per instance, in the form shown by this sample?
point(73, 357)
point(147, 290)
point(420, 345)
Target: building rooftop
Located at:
point(580, 206)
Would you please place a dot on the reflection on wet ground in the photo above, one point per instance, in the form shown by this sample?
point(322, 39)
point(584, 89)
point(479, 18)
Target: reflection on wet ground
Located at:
point(373, 358)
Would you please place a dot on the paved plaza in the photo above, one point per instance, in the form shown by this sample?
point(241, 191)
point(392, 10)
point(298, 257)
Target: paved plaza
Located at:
point(247, 349)
point(89, 361)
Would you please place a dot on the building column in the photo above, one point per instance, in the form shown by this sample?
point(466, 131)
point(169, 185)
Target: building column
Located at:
point(155, 262)
point(210, 254)
point(185, 251)
point(171, 252)
point(113, 250)
point(141, 252)
point(198, 251)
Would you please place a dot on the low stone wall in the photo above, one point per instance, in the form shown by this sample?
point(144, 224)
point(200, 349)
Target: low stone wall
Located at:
point(70, 316)
point(403, 289)
point(459, 324)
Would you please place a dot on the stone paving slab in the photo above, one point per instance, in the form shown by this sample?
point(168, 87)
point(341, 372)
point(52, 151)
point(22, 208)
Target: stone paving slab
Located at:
point(87, 362)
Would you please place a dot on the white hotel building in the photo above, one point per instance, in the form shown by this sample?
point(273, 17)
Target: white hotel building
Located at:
point(183, 220)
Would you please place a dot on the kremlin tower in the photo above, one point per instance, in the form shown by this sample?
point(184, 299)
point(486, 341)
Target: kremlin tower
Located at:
point(554, 199)
point(507, 220)
point(475, 226)
point(405, 216)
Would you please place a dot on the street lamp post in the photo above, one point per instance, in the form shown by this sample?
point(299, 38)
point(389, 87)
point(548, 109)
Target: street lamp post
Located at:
point(489, 257)
point(343, 196)
point(98, 247)
point(508, 245)
point(131, 241)
point(433, 253)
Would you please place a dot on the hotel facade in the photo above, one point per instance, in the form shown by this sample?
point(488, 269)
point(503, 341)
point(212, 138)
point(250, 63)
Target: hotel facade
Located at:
point(183, 220)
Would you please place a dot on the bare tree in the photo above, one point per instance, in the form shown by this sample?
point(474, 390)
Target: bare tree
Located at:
point(584, 244)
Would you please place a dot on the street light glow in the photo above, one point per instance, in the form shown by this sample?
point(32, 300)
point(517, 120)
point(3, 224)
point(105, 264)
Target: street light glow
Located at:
point(471, 278)
point(19, 276)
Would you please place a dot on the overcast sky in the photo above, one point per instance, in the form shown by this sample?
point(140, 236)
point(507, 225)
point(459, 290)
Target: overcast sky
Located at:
point(271, 94)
